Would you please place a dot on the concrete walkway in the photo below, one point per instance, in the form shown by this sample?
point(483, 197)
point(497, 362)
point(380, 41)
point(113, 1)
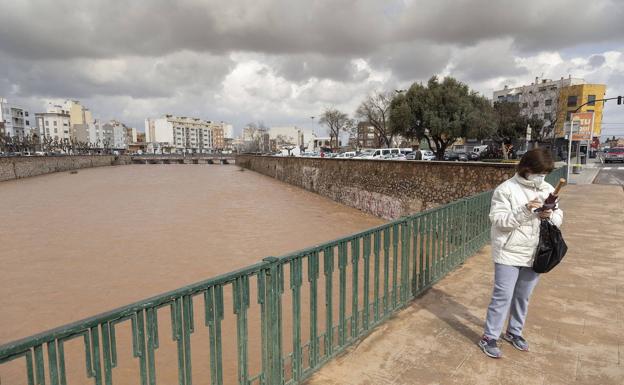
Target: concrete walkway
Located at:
point(575, 324)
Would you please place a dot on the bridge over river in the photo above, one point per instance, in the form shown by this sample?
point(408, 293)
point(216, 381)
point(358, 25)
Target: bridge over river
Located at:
point(183, 159)
point(379, 295)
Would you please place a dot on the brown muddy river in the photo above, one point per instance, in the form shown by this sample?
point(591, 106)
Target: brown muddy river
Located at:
point(74, 245)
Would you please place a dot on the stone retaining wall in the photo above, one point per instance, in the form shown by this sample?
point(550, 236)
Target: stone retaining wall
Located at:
point(388, 189)
point(26, 166)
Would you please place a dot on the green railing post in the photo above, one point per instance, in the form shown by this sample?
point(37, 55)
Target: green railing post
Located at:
point(274, 374)
point(296, 278)
point(464, 230)
point(313, 275)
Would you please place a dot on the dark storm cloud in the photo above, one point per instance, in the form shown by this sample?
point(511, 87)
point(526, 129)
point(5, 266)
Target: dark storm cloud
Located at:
point(412, 60)
point(486, 60)
point(300, 67)
point(533, 24)
point(132, 76)
point(104, 28)
point(596, 61)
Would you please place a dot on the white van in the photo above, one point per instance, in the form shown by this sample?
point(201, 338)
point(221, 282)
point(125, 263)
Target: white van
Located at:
point(381, 153)
point(479, 149)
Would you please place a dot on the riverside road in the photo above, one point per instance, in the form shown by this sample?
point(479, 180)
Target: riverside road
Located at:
point(610, 173)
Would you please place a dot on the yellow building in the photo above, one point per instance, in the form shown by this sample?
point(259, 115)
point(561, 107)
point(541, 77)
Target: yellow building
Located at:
point(571, 97)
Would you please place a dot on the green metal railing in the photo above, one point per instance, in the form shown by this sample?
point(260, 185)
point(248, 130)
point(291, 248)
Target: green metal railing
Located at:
point(364, 278)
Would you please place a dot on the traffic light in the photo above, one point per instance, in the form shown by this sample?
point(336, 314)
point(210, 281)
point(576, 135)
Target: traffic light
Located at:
point(619, 100)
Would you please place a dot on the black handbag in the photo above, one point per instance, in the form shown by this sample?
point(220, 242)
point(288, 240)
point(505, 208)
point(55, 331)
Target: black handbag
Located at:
point(551, 248)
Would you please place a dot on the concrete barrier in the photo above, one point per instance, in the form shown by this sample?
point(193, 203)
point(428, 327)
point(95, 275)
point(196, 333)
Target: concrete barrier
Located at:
point(387, 189)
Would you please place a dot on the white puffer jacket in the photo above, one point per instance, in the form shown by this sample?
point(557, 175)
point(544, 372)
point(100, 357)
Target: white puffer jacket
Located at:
point(515, 230)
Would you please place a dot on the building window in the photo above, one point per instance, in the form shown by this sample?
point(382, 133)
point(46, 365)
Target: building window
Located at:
point(548, 102)
point(536, 103)
point(525, 105)
point(572, 100)
point(55, 130)
point(47, 123)
point(26, 113)
point(591, 100)
point(28, 123)
point(54, 123)
point(501, 97)
point(547, 116)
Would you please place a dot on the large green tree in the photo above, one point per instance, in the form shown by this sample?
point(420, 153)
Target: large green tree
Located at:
point(441, 112)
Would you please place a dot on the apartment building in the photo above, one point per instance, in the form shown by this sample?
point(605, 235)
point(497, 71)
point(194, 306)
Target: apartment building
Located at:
point(54, 123)
point(179, 134)
point(367, 136)
point(218, 136)
point(15, 121)
point(553, 100)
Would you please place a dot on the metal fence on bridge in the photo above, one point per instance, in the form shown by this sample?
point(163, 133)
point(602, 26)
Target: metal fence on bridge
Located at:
point(309, 306)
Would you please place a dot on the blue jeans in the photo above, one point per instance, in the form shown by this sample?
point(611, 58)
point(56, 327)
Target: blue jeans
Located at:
point(512, 288)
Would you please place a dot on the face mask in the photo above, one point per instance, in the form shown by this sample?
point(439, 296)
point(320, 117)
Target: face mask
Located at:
point(538, 179)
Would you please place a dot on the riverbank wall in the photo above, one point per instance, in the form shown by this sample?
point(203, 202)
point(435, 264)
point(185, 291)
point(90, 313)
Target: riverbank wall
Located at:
point(27, 166)
point(387, 189)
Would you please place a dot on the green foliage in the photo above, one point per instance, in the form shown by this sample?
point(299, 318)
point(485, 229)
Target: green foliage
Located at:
point(510, 123)
point(441, 112)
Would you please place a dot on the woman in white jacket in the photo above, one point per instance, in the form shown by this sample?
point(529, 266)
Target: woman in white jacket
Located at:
point(515, 236)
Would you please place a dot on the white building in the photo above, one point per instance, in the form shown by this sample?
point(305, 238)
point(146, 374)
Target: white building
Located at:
point(179, 134)
point(15, 121)
point(539, 99)
point(228, 131)
point(54, 123)
point(302, 138)
point(119, 132)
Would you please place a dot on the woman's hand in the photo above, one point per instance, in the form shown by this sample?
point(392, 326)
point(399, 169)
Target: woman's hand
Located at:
point(534, 204)
point(545, 214)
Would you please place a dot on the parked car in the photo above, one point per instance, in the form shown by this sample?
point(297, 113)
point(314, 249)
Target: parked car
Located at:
point(411, 156)
point(365, 154)
point(424, 155)
point(451, 156)
point(614, 155)
point(393, 157)
point(428, 155)
point(473, 156)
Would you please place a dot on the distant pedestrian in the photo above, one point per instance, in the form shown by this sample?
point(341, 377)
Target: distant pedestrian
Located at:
point(418, 154)
point(515, 236)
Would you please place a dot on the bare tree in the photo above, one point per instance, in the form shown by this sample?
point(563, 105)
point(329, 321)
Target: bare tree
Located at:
point(376, 111)
point(336, 121)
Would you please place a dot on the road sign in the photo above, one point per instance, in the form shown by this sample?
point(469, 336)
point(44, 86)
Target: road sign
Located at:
point(585, 120)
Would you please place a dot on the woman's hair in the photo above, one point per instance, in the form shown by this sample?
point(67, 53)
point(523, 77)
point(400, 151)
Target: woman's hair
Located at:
point(536, 161)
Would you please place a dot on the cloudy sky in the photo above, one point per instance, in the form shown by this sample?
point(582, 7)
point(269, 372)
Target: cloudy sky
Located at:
point(283, 61)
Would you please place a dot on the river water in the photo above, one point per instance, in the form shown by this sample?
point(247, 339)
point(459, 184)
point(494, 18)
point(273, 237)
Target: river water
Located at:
point(74, 245)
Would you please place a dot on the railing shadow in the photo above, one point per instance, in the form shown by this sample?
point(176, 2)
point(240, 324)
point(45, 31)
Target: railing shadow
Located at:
point(454, 314)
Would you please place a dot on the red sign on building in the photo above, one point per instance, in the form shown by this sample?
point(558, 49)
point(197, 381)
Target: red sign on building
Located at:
point(585, 129)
